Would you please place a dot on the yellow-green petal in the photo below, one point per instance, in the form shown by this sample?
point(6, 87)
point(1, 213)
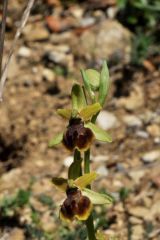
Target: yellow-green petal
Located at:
point(89, 111)
point(65, 113)
point(85, 180)
point(56, 140)
point(99, 133)
point(97, 198)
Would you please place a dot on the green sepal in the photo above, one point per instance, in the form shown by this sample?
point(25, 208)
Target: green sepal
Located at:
point(87, 85)
point(65, 113)
point(89, 111)
point(104, 84)
point(85, 180)
point(75, 169)
point(97, 198)
point(99, 133)
point(56, 140)
point(78, 98)
point(60, 183)
point(94, 78)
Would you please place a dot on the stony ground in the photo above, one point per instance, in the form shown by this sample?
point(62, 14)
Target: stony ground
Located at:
point(58, 41)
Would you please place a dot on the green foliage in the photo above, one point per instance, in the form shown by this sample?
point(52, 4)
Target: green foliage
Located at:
point(61, 71)
point(123, 193)
point(46, 200)
point(79, 233)
point(10, 204)
point(140, 48)
point(142, 17)
point(143, 13)
point(35, 233)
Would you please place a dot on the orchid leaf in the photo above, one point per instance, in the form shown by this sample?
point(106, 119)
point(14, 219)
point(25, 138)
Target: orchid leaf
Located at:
point(87, 85)
point(56, 140)
point(78, 98)
point(60, 183)
point(94, 78)
point(65, 113)
point(97, 198)
point(99, 133)
point(85, 180)
point(104, 84)
point(89, 111)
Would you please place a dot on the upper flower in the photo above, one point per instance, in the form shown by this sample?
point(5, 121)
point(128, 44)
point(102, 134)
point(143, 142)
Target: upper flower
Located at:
point(80, 131)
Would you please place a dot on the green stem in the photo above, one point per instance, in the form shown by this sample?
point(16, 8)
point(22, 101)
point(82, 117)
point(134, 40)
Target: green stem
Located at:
point(90, 228)
point(75, 169)
point(87, 161)
point(89, 221)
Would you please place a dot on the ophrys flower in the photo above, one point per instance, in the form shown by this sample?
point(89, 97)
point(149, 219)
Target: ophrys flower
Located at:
point(80, 131)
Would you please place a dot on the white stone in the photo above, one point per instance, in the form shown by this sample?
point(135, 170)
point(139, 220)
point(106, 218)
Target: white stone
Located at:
point(68, 160)
point(132, 121)
point(48, 75)
point(136, 175)
point(87, 21)
point(102, 170)
point(100, 158)
point(107, 120)
point(151, 156)
point(24, 52)
point(142, 134)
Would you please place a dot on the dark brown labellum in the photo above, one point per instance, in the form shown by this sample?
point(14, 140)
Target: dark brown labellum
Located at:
point(77, 136)
point(75, 205)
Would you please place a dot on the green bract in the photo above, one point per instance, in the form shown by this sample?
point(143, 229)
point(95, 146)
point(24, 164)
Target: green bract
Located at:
point(97, 82)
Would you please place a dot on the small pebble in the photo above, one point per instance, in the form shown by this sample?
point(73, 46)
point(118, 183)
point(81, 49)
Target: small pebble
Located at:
point(68, 160)
point(48, 75)
point(142, 134)
point(107, 120)
point(132, 121)
point(24, 52)
point(100, 158)
point(102, 170)
point(151, 156)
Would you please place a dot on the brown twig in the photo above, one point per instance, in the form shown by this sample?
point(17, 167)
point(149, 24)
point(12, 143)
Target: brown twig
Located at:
point(2, 31)
point(18, 33)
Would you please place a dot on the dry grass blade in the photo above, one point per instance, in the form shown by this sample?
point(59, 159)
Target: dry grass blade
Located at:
point(2, 31)
point(18, 33)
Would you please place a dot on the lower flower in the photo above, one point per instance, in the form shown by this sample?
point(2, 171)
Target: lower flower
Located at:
point(80, 200)
point(75, 206)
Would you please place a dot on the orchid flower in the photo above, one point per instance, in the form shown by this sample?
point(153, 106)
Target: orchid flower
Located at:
point(79, 201)
point(80, 132)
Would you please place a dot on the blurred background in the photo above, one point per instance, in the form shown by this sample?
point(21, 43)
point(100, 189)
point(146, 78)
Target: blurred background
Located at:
point(60, 38)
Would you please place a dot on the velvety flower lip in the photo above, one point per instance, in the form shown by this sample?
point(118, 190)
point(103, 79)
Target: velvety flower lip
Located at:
point(75, 205)
point(77, 136)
